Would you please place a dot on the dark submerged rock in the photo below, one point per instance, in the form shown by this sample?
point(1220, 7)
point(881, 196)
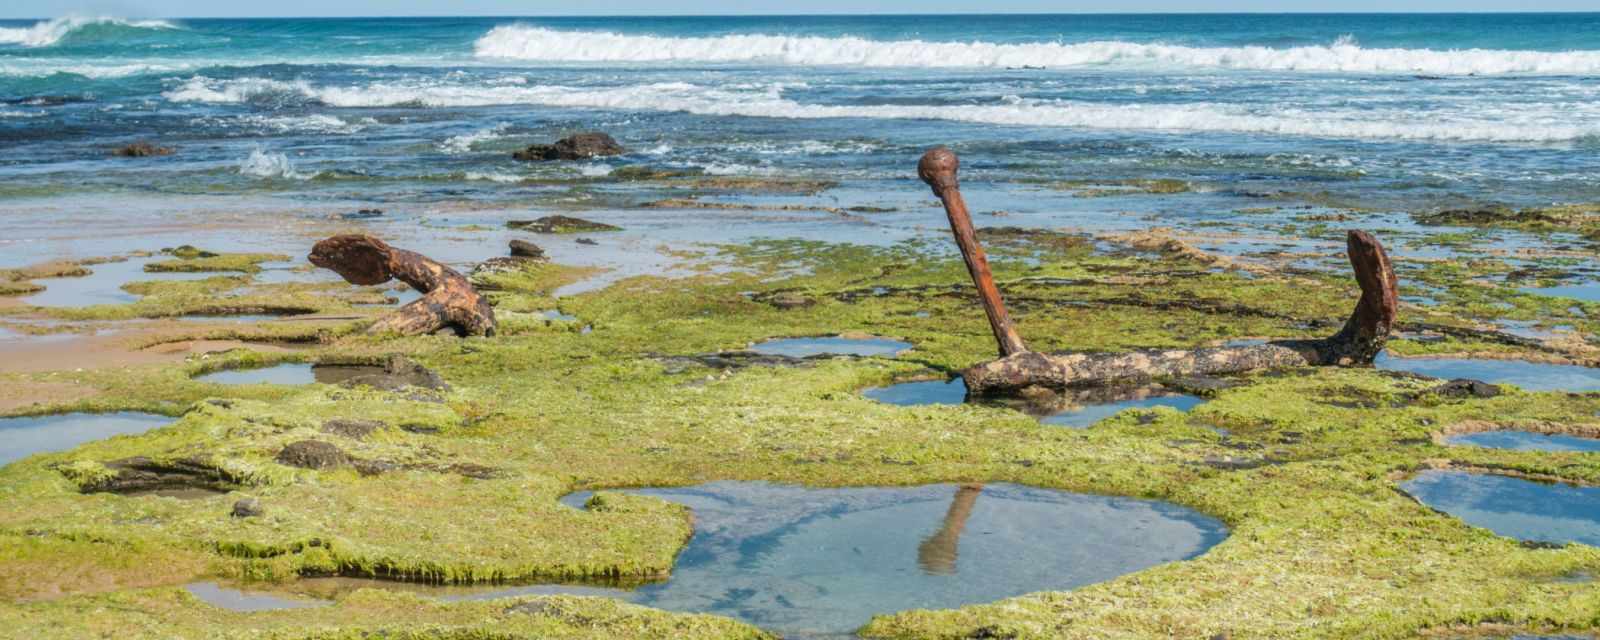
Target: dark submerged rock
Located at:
point(561, 224)
point(1466, 388)
point(525, 249)
point(581, 146)
point(142, 150)
point(313, 454)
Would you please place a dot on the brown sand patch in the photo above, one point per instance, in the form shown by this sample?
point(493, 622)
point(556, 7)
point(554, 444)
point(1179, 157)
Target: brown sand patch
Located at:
point(110, 351)
point(23, 394)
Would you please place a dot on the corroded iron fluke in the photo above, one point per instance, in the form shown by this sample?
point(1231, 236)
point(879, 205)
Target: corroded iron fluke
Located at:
point(448, 301)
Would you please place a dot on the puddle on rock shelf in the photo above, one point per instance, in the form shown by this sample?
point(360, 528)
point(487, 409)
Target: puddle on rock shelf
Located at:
point(1513, 507)
point(22, 437)
point(923, 392)
point(554, 314)
point(802, 561)
point(241, 600)
point(1532, 376)
point(1087, 412)
point(1587, 291)
point(296, 373)
point(287, 374)
point(104, 284)
point(1525, 441)
point(809, 347)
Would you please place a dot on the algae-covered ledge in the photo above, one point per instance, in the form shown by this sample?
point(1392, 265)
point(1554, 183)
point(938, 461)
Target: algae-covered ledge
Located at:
point(460, 484)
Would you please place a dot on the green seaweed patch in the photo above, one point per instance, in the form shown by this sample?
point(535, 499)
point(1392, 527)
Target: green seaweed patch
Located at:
point(192, 260)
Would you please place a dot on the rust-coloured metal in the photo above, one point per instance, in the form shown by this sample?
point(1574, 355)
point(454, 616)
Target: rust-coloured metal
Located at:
point(448, 301)
point(1357, 344)
point(938, 169)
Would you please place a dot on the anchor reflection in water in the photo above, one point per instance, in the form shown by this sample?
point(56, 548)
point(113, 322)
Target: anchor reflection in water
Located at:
point(937, 553)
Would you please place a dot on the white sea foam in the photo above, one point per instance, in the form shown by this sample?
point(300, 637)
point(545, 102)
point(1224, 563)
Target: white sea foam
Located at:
point(523, 42)
point(493, 176)
point(1554, 124)
point(49, 32)
point(464, 142)
point(262, 164)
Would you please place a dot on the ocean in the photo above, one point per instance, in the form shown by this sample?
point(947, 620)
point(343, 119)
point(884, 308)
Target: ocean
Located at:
point(1399, 113)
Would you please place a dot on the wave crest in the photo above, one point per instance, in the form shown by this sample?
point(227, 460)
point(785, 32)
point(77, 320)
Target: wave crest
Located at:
point(769, 102)
point(523, 42)
point(49, 32)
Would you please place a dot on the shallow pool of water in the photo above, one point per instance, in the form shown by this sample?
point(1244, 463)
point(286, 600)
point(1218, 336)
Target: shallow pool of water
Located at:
point(1513, 507)
point(1089, 414)
point(554, 314)
point(23, 437)
point(922, 392)
point(1526, 441)
point(293, 373)
point(1532, 376)
point(242, 600)
point(809, 347)
point(802, 561)
point(1587, 291)
point(103, 285)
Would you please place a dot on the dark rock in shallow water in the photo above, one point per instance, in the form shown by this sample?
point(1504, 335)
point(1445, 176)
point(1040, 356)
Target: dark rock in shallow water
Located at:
point(525, 249)
point(576, 147)
point(361, 214)
point(248, 508)
point(189, 252)
point(397, 373)
point(1465, 388)
point(560, 224)
point(142, 150)
point(313, 454)
point(588, 242)
point(350, 428)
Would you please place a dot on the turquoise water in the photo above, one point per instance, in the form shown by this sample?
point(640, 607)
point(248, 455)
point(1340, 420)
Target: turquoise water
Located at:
point(429, 109)
point(1513, 507)
point(821, 562)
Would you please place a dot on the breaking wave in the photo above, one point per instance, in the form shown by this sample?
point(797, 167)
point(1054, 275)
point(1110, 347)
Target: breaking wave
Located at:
point(262, 164)
point(523, 42)
point(1553, 125)
point(49, 32)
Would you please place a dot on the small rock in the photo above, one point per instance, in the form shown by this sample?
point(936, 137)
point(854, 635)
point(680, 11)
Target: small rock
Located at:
point(351, 428)
point(373, 467)
point(189, 252)
point(248, 508)
point(312, 454)
point(1465, 388)
point(576, 147)
point(789, 300)
point(142, 150)
point(560, 224)
point(361, 214)
point(589, 242)
point(525, 249)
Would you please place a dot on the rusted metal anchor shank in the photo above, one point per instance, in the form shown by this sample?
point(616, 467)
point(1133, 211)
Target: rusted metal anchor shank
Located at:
point(938, 169)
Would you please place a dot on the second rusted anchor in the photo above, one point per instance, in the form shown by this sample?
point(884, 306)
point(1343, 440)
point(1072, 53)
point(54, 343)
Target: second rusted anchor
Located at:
point(1357, 344)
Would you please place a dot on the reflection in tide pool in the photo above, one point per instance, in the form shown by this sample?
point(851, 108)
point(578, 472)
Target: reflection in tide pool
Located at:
point(22, 437)
point(1526, 441)
point(1513, 507)
point(1088, 414)
point(287, 374)
point(808, 347)
point(907, 394)
point(1532, 376)
point(803, 561)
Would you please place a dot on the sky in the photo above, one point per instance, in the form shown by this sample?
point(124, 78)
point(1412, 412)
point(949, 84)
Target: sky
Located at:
point(311, 8)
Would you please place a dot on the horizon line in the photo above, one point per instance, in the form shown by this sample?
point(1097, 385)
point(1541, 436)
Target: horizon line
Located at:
point(828, 15)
